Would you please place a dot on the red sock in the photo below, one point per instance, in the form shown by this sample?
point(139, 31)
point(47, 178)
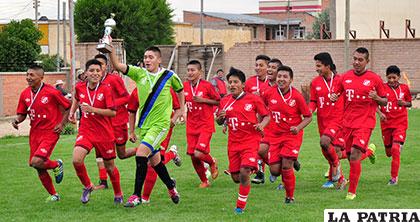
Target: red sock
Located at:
point(82, 174)
point(50, 164)
point(355, 171)
point(149, 182)
point(207, 158)
point(395, 164)
point(102, 173)
point(289, 181)
point(115, 180)
point(388, 151)
point(199, 168)
point(169, 156)
point(46, 181)
point(242, 196)
point(367, 154)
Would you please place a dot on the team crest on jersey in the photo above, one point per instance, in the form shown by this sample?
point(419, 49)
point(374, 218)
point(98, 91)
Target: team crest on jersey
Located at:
point(248, 107)
point(101, 96)
point(27, 100)
point(348, 81)
point(82, 96)
point(199, 93)
point(318, 88)
point(401, 95)
point(292, 102)
point(44, 100)
point(366, 82)
point(273, 101)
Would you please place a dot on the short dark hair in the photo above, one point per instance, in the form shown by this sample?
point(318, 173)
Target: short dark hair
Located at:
point(262, 57)
point(219, 70)
point(324, 58)
point(92, 62)
point(363, 50)
point(277, 61)
point(195, 62)
point(393, 70)
point(102, 56)
point(154, 49)
point(287, 69)
point(37, 67)
point(236, 72)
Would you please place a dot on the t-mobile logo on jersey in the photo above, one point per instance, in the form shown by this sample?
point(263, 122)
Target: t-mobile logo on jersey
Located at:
point(189, 106)
point(276, 116)
point(388, 106)
point(234, 122)
point(349, 94)
point(321, 101)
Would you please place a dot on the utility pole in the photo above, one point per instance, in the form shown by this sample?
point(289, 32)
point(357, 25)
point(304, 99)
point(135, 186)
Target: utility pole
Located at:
point(201, 25)
point(72, 43)
point(36, 5)
point(58, 35)
point(288, 15)
point(346, 36)
point(64, 35)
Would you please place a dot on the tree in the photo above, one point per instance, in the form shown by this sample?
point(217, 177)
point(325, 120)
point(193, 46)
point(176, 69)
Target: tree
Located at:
point(323, 17)
point(19, 45)
point(141, 23)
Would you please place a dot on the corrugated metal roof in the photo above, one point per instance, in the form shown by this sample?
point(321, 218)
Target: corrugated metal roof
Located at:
point(242, 19)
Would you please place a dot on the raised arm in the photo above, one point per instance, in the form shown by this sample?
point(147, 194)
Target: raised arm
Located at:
point(115, 63)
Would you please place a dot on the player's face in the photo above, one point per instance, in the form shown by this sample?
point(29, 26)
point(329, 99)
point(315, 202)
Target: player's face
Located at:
point(393, 79)
point(220, 74)
point(272, 71)
point(359, 62)
point(103, 62)
point(34, 77)
point(94, 73)
point(322, 69)
point(261, 67)
point(235, 85)
point(151, 61)
point(283, 79)
point(193, 72)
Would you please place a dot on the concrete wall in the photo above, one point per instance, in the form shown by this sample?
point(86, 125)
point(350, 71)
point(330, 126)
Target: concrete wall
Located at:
point(299, 55)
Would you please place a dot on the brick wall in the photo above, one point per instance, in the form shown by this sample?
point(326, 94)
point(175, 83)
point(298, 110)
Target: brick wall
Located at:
point(404, 53)
point(194, 18)
point(12, 84)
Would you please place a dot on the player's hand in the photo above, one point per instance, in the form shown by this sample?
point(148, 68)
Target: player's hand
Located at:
point(58, 128)
point(294, 130)
point(198, 99)
point(382, 117)
point(334, 97)
point(86, 108)
point(224, 129)
point(259, 127)
point(173, 122)
point(221, 115)
point(373, 95)
point(72, 118)
point(401, 102)
point(15, 124)
point(132, 137)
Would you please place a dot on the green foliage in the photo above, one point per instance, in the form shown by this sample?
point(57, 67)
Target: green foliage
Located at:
point(323, 17)
point(141, 23)
point(19, 45)
point(49, 62)
point(69, 129)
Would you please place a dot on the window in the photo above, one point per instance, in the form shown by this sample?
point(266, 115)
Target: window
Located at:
point(254, 32)
point(299, 33)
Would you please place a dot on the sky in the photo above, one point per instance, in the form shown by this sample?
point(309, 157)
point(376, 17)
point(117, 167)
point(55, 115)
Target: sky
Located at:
point(20, 9)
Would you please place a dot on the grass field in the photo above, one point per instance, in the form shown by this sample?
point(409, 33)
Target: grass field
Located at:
point(23, 196)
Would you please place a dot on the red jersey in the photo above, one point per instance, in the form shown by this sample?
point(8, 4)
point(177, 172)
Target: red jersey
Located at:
point(220, 86)
point(133, 102)
point(254, 84)
point(359, 109)
point(120, 94)
point(42, 108)
point(327, 111)
point(286, 111)
point(396, 116)
point(200, 116)
point(96, 127)
point(241, 117)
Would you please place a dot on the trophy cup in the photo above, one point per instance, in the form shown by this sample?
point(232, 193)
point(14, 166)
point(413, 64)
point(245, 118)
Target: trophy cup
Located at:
point(104, 45)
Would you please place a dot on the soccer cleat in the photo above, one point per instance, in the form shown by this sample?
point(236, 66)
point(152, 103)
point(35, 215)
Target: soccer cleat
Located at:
point(341, 184)
point(59, 171)
point(328, 184)
point(133, 201)
point(145, 201)
point(372, 157)
point(204, 184)
point(227, 172)
point(337, 175)
point(393, 181)
point(296, 165)
point(280, 187)
point(103, 184)
point(239, 211)
point(208, 173)
point(289, 200)
point(118, 200)
point(214, 169)
point(259, 178)
point(273, 178)
point(350, 196)
point(174, 195)
point(86, 194)
point(177, 159)
point(53, 198)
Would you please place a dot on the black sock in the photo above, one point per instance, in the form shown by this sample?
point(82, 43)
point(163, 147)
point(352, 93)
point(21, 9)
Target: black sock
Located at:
point(161, 170)
point(141, 171)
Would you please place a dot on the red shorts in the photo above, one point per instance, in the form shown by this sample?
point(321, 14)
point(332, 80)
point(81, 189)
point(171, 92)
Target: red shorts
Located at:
point(42, 143)
point(286, 145)
point(357, 138)
point(164, 145)
point(120, 134)
point(393, 135)
point(105, 150)
point(334, 132)
point(199, 142)
point(240, 158)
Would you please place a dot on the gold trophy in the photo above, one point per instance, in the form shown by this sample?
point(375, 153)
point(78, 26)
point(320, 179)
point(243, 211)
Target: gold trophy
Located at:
point(104, 45)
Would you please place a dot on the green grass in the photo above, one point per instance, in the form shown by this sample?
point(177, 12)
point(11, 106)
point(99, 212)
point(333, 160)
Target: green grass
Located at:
point(23, 196)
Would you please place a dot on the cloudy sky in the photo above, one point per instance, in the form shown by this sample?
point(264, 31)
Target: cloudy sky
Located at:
point(20, 9)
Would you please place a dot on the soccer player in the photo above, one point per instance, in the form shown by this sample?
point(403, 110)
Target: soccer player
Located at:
point(363, 91)
point(290, 115)
point(329, 115)
point(97, 105)
point(219, 84)
point(200, 98)
point(394, 119)
point(153, 83)
point(119, 122)
point(239, 111)
point(48, 110)
point(172, 154)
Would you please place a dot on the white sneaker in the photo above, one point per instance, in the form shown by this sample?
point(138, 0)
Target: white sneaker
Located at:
point(177, 159)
